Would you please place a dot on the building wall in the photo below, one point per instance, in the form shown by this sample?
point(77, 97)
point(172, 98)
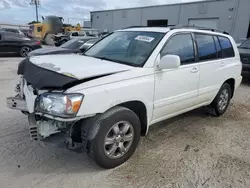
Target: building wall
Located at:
point(14, 26)
point(233, 15)
point(242, 20)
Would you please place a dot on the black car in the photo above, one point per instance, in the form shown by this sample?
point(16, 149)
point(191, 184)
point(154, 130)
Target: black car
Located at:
point(244, 50)
point(12, 43)
point(78, 45)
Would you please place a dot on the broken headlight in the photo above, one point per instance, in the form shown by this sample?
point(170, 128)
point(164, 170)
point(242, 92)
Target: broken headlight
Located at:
point(58, 104)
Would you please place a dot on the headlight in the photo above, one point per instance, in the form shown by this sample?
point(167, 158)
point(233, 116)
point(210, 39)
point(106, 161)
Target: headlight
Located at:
point(62, 105)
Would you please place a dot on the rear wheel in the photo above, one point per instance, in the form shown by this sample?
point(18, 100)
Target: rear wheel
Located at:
point(25, 50)
point(111, 138)
point(222, 100)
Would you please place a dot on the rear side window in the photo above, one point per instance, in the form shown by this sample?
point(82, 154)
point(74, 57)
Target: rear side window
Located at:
point(181, 45)
point(206, 47)
point(227, 48)
point(218, 47)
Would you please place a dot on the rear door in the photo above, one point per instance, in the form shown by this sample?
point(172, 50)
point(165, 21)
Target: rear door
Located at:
point(209, 51)
point(3, 47)
point(215, 54)
point(13, 43)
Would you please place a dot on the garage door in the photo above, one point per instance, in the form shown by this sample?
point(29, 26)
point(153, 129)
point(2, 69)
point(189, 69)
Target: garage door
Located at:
point(210, 23)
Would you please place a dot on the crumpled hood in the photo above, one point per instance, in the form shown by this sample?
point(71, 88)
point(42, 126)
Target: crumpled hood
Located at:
point(49, 51)
point(78, 66)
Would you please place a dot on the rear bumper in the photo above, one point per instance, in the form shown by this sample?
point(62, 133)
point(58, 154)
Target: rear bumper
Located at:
point(245, 74)
point(35, 47)
point(245, 70)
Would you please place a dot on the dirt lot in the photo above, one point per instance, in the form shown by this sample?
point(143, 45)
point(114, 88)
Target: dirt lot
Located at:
point(192, 150)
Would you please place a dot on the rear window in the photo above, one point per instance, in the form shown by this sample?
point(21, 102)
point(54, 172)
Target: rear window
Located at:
point(206, 47)
point(227, 48)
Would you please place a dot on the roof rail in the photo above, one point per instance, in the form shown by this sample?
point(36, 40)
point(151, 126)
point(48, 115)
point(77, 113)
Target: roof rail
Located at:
point(138, 26)
point(199, 28)
point(135, 26)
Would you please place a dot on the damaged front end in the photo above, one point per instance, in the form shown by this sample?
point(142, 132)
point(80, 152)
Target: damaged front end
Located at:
point(40, 95)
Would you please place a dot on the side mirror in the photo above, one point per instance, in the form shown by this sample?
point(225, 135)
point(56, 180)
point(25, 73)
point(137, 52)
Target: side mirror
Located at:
point(169, 62)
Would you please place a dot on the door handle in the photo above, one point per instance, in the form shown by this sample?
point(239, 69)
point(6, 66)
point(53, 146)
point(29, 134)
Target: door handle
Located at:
point(222, 64)
point(194, 70)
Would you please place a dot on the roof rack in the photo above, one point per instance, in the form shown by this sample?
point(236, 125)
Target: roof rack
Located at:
point(135, 26)
point(138, 26)
point(199, 28)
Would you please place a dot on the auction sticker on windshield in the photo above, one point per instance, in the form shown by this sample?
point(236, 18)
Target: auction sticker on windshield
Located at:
point(144, 38)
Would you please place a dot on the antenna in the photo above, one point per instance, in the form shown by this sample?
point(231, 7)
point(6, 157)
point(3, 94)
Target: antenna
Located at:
point(36, 3)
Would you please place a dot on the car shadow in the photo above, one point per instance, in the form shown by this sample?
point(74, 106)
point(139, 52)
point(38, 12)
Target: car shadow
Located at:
point(51, 154)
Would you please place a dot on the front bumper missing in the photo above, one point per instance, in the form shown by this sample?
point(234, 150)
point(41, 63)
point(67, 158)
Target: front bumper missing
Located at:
point(17, 103)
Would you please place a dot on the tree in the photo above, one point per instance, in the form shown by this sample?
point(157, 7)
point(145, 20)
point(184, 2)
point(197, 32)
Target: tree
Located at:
point(33, 22)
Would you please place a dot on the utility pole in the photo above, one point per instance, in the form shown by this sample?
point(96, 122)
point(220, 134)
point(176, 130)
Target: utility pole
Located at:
point(36, 3)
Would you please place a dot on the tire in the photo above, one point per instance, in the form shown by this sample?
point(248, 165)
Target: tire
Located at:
point(222, 100)
point(25, 50)
point(106, 148)
point(49, 40)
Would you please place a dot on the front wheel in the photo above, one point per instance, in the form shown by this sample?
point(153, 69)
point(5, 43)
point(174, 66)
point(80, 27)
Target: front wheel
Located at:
point(222, 100)
point(111, 138)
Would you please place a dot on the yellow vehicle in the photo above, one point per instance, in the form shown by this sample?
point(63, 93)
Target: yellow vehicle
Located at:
point(69, 27)
point(51, 26)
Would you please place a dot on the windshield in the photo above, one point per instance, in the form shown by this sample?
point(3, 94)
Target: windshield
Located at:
point(126, 47)
point(245, 44)
point(73, 44)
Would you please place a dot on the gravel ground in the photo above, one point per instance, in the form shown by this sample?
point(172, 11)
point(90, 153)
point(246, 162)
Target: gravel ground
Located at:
point(193, 150)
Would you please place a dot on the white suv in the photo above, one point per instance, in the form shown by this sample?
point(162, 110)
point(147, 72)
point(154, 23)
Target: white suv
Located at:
point(107, 98)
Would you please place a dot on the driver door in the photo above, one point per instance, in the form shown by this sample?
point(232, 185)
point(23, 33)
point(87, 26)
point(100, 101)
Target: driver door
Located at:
point(176, 90)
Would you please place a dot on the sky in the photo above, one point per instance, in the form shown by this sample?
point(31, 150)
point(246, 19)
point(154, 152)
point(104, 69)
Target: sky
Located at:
point(73, 11)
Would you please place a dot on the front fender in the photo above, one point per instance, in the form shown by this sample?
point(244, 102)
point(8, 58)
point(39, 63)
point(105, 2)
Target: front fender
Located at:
point(103, 97)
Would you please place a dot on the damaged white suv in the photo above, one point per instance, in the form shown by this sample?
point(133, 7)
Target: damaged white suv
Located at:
point(107, 98)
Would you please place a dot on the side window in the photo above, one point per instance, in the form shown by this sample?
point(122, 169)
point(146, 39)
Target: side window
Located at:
point(227, 48)
point(181, 45)
point(206, 47)
point(11, 37)
point(39, 29)
point(218, 47)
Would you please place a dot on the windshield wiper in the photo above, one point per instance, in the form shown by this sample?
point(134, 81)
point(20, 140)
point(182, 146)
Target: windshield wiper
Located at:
point(117, 61)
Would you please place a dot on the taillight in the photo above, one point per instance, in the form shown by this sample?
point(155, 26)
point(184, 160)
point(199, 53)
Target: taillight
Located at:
point(38, 42)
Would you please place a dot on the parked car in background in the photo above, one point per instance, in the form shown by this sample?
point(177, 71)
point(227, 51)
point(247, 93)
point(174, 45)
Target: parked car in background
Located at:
point(12, 43)
point(77, 45)
point(61, 38)
point(131, 79)
point(16, 31)
point(244, 50)
point(240, 41)
point(89, 43)
point(27, 32)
